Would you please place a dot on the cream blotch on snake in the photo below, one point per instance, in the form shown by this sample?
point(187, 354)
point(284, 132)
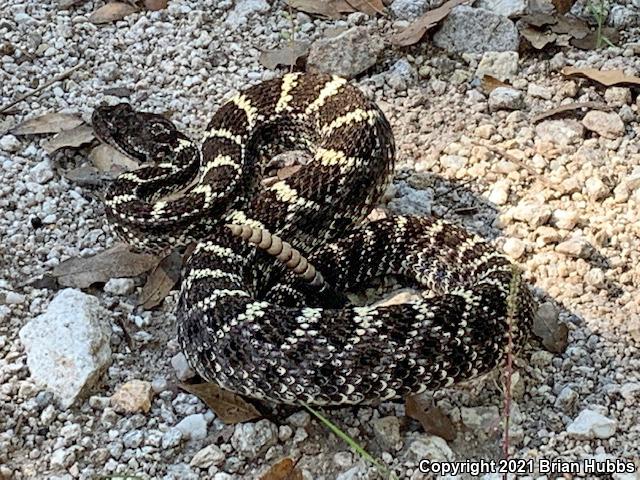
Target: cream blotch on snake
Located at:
point(258, 329)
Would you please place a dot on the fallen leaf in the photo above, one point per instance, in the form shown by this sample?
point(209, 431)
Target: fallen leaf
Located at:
point(155, 5)
point(47, 123)
point(161, 280)
point(590, 41)
point(538, 20)
point(547, 326)
point(45, 281)
point(542, 29)
point(269, 181)
point(335, 8)
point(572, 26)
point(285, 469)
point(69, 138)
point(538, 38)
point(327, 8)
point(286, 172)
point(188, 250)
point(370, 7)
point(110, 161)
point(287, 56)
point(569, 107)
point(432, 419)
point(413, 33)
point(85, 176)
point(489, 83)
point(608, 78)
point(228, 406)
point(111, 12)
point(563, 6)
point(115, 262)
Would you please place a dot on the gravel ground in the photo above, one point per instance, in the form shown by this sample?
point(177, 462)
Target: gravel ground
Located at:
point(572, 222)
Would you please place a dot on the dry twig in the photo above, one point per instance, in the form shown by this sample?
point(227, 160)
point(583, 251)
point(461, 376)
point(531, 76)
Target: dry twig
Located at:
point(55, 79)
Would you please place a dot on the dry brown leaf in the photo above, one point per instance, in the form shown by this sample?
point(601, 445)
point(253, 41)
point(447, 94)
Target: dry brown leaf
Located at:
point(569, 107)
point(547, 326)
point(489, 83)
point(432, 419)
point(590, 41)
point(370, 7)
point(608, 78)
point(111, 12)
point(161, 280)
point(228, 406)
point(334, 8)
point(413, 33)
point(69, 138)
point(115, 262)
point(85, 175)
point(572, 26)
point(563, 6)
point(287, 55)
point(538, 38)
point(323, 8)
point(541, 30)
point(110, 161)
point(285, 469)
point(538, 20)
point(47, 123)
point(155, 5)
point(286, 172)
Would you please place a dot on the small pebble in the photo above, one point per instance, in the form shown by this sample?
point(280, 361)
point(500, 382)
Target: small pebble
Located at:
point(514, 247)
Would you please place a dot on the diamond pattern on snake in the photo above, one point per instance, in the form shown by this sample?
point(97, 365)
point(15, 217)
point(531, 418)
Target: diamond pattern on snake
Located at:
point(262, 310)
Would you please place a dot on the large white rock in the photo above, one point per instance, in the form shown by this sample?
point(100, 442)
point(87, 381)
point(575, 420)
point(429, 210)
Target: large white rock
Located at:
point(476, 30)
point(501, 65)
point(590, 424)
point(506, 8)
point(193, 427)
point(347, 55)
point(412, 9)
point(560, 132)
point(68, 345)
point(605, 124)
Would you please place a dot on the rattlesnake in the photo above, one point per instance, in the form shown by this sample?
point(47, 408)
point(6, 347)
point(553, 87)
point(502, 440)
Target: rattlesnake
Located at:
point(288, 334)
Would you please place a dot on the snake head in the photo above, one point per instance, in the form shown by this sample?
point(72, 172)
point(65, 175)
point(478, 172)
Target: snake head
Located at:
point(144, 136)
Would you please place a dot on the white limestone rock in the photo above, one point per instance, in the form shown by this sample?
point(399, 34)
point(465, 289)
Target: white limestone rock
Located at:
point(347, 55)
point(506, 8)
point(501, 65)
point(476, 30)
point(590, 424)
point(605, 124)
point(68, 345)
point(193, 427)
point(253, 439)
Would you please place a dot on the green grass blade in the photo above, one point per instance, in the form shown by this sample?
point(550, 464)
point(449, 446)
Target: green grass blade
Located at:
point(350, 441)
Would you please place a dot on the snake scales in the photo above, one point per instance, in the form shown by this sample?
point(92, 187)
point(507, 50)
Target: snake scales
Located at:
point(287, 334)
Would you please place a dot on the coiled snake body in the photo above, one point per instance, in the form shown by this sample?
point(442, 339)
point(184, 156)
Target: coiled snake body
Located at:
point(287, 334)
